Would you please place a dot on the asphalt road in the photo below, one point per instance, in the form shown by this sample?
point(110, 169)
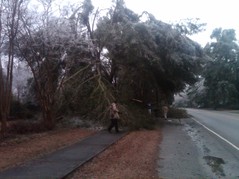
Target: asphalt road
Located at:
point(224, 123)
point(202, 146)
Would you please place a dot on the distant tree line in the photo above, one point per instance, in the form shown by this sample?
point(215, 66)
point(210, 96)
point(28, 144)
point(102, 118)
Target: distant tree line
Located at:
point(219, 84)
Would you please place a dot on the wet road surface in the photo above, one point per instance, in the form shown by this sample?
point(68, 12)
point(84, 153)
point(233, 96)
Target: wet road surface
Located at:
point(223, 123)
point(189, 150)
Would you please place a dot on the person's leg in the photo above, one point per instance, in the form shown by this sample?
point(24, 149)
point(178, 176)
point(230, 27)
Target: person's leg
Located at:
point(116, 125)
point(111, 125)
point(165, 115)
point(150, 111)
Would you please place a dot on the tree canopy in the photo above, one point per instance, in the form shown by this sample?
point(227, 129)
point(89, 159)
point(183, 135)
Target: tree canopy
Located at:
point(82, 60)
point(153, 54)
point(221, 72)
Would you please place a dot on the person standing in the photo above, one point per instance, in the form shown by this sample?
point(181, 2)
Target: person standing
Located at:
point(165, 111)
point(114, 117)
point(149, 105)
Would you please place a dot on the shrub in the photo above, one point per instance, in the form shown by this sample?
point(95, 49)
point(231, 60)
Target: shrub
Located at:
point(139, 118)
point(25, 127)
point(177, 113)
point(22, 111)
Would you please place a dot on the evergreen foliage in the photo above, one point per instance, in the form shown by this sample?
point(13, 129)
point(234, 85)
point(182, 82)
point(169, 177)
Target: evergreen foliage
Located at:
point(221, 72)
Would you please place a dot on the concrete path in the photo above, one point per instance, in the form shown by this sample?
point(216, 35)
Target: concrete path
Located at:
point(60, 163)
point(179, 156)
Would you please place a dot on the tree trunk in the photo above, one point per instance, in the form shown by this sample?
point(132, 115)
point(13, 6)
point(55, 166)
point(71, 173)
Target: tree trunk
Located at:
point(3, 120)
point(48, 119)
point(12, 11)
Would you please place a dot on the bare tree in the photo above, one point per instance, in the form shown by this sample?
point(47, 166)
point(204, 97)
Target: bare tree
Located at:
point(2, 118)
point(10, 12)
point(42, 45)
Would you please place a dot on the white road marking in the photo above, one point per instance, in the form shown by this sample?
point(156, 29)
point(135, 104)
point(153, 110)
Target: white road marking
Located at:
point(234, 146)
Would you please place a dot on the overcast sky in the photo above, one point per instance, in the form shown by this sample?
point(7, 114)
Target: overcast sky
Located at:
point(216, 13)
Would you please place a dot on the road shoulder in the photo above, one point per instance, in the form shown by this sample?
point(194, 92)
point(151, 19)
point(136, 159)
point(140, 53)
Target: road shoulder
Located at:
point(179, 156)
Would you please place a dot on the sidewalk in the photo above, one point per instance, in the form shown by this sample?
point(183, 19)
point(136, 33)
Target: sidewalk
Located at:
point(60, 163)
point(182, 151)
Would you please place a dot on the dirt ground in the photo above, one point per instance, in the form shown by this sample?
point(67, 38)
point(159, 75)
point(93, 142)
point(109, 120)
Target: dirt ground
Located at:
point(22, 148)
point(134, 156)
